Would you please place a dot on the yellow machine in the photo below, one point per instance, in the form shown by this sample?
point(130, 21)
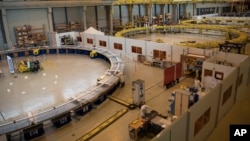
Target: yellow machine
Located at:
point(26, 66)
point(22, 67)
point(36, 52)
point(93, 54)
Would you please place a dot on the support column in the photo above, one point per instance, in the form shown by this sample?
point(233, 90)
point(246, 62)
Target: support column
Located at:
point(120, 14)
point(50, 19)
point(130, 13)
point(194, 9)
point(219, 10)
point(149, 12)
point(174, 11)
point(139, 6)
point(110, 19)
point(163, 12)
point(185, 11)
point(96, 18)
point(84, 21)
point(6, 29)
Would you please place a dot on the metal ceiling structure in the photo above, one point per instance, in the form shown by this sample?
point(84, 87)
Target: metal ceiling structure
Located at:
point(66, 3)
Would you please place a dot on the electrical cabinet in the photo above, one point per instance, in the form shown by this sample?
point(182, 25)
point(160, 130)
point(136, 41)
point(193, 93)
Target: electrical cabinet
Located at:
point(181, 100)
point(138, 91)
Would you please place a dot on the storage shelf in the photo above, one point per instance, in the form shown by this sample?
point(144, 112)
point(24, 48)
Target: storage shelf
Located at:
point(29, 37)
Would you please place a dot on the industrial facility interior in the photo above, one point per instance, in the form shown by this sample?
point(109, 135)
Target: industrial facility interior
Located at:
point(123, 70)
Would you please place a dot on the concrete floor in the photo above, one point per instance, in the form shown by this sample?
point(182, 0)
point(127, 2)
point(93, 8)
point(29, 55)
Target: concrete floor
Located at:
point(62, 77)
point(156, 97)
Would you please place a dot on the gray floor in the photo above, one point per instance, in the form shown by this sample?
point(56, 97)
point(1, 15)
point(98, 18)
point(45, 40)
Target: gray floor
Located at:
point(156, 97)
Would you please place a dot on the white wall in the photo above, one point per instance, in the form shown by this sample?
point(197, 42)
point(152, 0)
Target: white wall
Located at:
point(225, 84)
point(209, 100)
point(177, 52)
point(196, 51)
point(102, 38)
point(113, 40)
point(211, 82)
point(150, 46)
point(85, 36)
point(134, 42)
point(243, 69)
point(233, 58)
point(164, 135)
point(179, 128)
point(227, 70)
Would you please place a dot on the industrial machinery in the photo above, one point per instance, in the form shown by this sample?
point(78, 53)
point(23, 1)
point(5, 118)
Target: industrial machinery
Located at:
point(149, 124)
point(93, 54)
point(28, 66)
point(66, 40)
point(138, 91)
point(36, 51)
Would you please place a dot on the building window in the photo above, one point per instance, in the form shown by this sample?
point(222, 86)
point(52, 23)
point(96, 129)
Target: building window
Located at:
point(118, 46)
point(89, 41)
point(159, 54)
point(102, 43)
point(202, 121)
point(136, 49)
point(227, 95)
